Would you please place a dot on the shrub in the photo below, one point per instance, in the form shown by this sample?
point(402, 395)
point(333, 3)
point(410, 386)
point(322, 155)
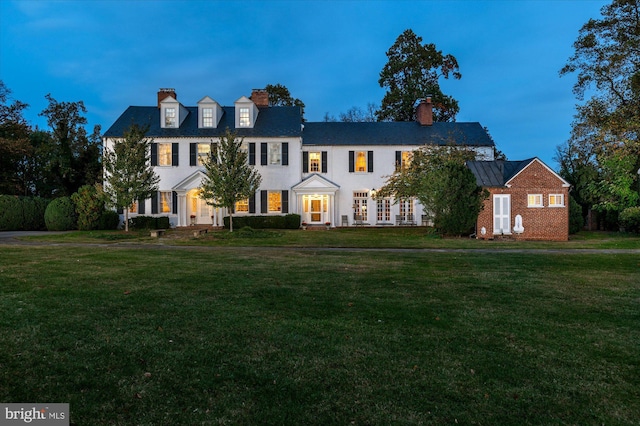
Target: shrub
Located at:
point(576, 220)
point(630, 219)
point(149, 222)
point(60, 215)
point(22, 213)
point(109, 220)
point(289, 221)
point(10, 213)
point(89, 203)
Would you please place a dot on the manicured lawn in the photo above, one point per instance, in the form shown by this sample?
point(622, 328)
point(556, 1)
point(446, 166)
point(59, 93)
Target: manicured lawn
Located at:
point(172, 336)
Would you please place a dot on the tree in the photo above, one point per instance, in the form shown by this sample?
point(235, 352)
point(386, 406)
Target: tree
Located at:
point(129, 175)
point(229, 178)
point(411, 73)
point(14, 144)
point(75, 156)
point(358, 115)
point(443, 184)
point(279, 95)
point(604, 143)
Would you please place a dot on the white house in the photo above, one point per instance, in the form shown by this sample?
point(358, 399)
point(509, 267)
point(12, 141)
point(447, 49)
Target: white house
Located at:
point(324, 171)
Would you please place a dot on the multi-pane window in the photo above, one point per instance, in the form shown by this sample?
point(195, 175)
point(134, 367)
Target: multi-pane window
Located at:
point(406, 159)
point(207, 117)
point(314, 161)
point(164, 154)
point(360, 205)
point(406, 207)
point(556, 200)
point(534, 200)
point(170, 117)
point(244, 117)
point(203, 153)
point(133, 208)
point(274, 153)
point(242, 206)
point(165, 202)
point(361, 161)
point(274, 201)
point(383, 210)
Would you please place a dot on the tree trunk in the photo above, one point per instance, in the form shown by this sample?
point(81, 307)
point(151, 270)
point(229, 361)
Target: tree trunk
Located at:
point(230, 221)
point(126, 219)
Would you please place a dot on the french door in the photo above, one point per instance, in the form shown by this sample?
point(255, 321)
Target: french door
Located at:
point(502, 214)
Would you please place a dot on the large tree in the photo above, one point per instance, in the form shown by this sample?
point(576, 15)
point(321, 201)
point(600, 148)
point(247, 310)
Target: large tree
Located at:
point(229, 178)
point(129, 175)
point(15, 148)
point(604, 145)
point(444, 185)
point(411, 73)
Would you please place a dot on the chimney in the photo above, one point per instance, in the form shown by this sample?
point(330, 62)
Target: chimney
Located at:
point(165, 93)
point(260, 97)
point(424, 112)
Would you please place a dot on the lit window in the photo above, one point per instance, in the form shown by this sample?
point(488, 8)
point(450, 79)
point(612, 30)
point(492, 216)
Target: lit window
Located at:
point(361, 161)
point(275, 153)
point(275, 201)
point(406, 207)
point(133, 208)
point(360, 205)
point(242, 206)
point(384, 210)
point(203, 153)
point(164, 154)
point(207, 117)
point(165, 202)
point(170, 117)
point(314, 161)
point(406, 159)
point(556, 200)
point(244, 117)
point(534, 200)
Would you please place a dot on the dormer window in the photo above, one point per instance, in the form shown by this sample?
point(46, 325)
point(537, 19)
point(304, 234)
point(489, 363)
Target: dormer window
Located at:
point(207, 117)
point(245, 121)
point(169, 117)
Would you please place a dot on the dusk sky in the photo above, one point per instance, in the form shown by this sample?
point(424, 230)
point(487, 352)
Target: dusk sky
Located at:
point(112, 54)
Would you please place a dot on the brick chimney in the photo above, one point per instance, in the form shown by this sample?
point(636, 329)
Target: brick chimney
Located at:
point(260, 97)
point(165, 93)
point(424, 112)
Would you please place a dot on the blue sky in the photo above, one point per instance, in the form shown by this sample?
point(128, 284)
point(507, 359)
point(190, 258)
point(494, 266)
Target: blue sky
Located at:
point(116, 53)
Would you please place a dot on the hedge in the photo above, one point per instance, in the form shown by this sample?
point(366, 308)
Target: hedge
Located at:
point(290, 221)
point(149, 222)
point(630, 219)
point(22, 213)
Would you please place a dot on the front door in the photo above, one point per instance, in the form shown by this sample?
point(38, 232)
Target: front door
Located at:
point(502, 214)
point(316, 210)
point(203, 212)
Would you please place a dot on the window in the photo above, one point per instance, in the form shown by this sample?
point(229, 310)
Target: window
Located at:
point(133, 208)
point(274, 201)
point(403, 159)
point(556, 200)
point(170, 117)
point(244, 117)
point(314, 162)
point(406, 207)
point(383, 210)
point(164, 154)
point(207, 117)
point(242, 206)
point(361, 161)
point(203, 153)
point(360, 205)
point(274, 153)
point(166, 199)
point(534, 200)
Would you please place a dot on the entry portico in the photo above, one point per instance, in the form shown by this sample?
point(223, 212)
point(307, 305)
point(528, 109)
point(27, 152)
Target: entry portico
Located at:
point(194, 210)
point(315, 199)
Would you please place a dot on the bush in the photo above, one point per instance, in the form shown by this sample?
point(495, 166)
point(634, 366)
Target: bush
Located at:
point(576, 220)
point(22, 213)
point(109, 220)
point(10, 213)
point(89, 203)
point(61, 215)
point(149, 222)
point(290, 221)
point(630, 219)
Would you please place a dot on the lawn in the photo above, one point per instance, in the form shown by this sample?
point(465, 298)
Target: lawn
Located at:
point(160, 335)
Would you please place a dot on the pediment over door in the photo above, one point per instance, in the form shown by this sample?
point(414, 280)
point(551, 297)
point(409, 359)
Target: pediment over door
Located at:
point(192, 181)
point(315, 184)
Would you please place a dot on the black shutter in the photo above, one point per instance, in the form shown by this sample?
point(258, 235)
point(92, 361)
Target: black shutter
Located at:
point(175, 147)
point(141, 206)
point(263, 153)
point(263, 202)
point(154, 154)
point(285, 153)
point(174, 207)
point(398, 160)
point(252, 153)
point(154, 203)
point(252, 203)
point(352, 166)
point(285, 201)
point(120, 210)
point(370, 161)
point(324, 161)
point(305, 162)
point(193, 154)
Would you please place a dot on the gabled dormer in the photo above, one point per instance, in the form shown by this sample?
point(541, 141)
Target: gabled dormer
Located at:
point(172, 113)
point(246, 113)
point(209, 113)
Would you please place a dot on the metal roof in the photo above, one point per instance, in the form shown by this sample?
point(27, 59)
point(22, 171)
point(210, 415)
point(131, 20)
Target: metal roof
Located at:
point(497, 172)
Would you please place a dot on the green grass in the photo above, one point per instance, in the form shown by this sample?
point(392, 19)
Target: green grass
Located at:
point(156, 335)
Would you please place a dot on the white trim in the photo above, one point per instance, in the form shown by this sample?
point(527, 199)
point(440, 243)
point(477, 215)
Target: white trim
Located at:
point(565, 184)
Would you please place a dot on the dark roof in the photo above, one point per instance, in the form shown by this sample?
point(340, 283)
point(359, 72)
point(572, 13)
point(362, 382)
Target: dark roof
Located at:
point(395, 133)
point(271, 122)
point(497, 172)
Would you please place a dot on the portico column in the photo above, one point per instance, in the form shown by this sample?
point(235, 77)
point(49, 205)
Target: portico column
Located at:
point(182, 208)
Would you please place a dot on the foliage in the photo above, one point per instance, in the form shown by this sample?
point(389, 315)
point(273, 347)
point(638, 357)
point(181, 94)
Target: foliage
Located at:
point(60, 215)
point(358, 115)
point(229, 178)
point(149, 222)
point(14, 144)
point(90, 204)
point(411, 73)
point(441, 181)
point(74, 158)
point(279, 95)
point(630, 219)
point(109, 219)
point(289, 221)
point(614, 189)
point(129, 175)
point(19, 213)
point(576, 218)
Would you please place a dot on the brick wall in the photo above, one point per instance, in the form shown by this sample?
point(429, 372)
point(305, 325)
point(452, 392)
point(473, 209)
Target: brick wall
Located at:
point(540, 223)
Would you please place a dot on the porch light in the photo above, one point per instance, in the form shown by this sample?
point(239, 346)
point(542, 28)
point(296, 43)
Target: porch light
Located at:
point(373, 193)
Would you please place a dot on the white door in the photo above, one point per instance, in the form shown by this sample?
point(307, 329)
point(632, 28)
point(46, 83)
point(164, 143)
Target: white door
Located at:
point(502, 214)
point(204, 212)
